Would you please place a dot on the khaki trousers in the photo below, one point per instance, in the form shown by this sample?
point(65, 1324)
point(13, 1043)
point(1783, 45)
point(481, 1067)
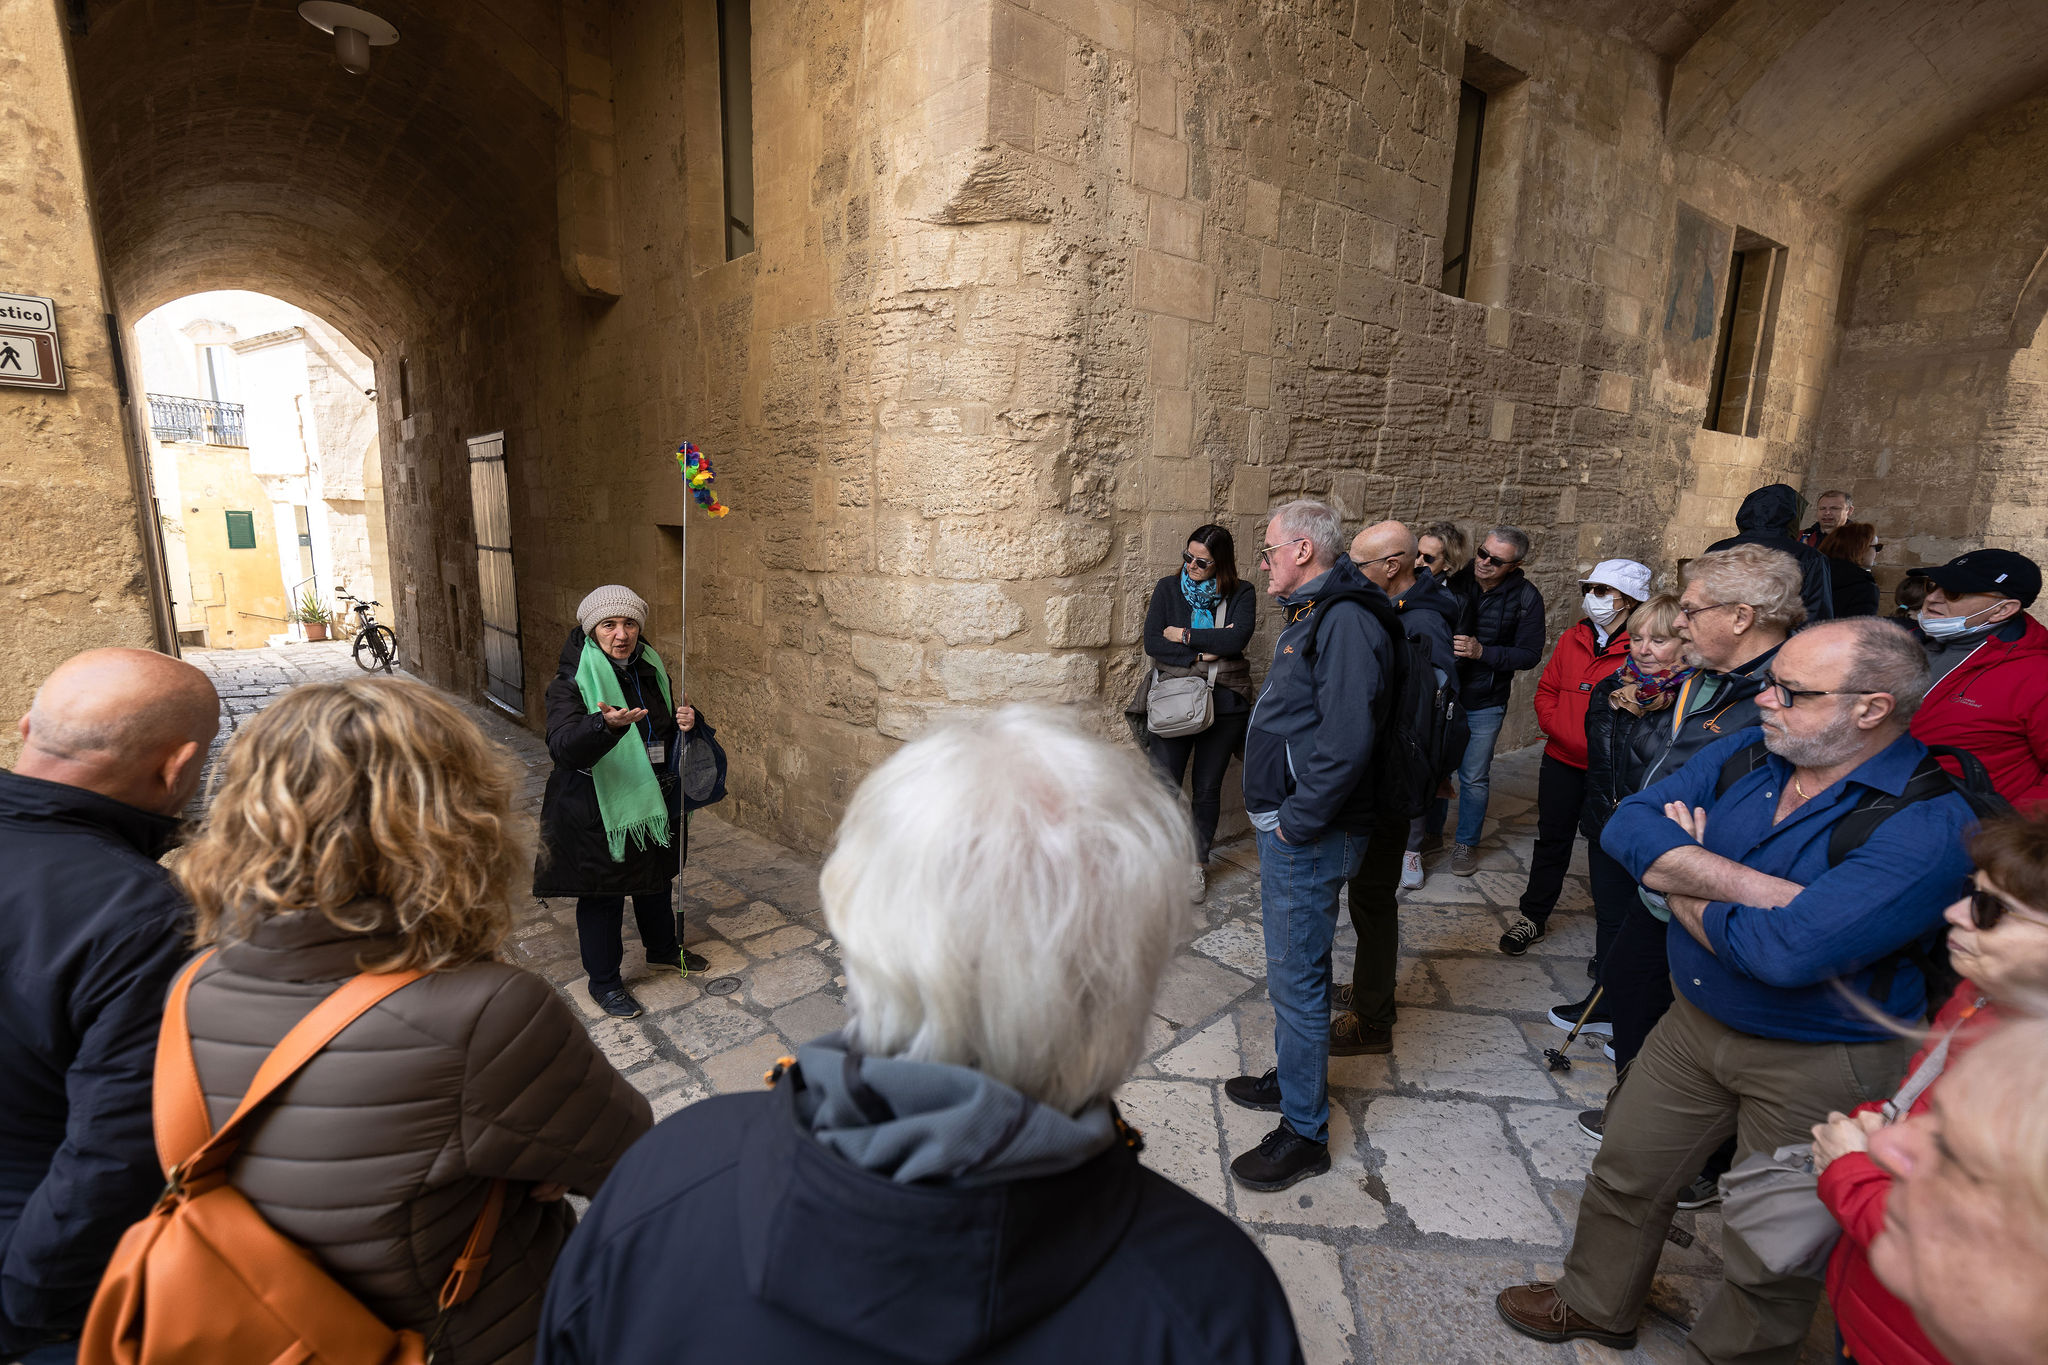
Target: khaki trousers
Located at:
point(1695, 1082)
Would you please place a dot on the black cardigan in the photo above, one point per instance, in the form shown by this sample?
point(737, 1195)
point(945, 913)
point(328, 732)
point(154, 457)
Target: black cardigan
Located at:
point(1170, 608)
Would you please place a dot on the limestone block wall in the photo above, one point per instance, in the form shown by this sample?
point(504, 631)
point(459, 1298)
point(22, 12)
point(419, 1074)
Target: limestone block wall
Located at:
point(75, 572)
point(1937, 423)
point(1041, 287)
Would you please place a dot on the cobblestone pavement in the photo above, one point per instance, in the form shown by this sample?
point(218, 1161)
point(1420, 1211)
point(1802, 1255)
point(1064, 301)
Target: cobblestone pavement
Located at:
point(1458, 1160)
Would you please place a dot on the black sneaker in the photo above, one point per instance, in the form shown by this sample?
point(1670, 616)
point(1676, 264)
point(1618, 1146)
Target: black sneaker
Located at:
point(1281, 1159)
point(1523, 932)
point(1600, 1023)
point(691, 962)
point(617, 1002)
point(1255, 1092)
point(1700, 1194)
point(1593, 1123)
point(1349, 1037)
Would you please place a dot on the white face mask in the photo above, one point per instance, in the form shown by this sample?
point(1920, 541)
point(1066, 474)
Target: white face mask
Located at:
point(1950, 627)
point(1602, 611)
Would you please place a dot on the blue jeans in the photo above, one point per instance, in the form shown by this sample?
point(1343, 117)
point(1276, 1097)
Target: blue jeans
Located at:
point(1475, 774)
point(1298, 885)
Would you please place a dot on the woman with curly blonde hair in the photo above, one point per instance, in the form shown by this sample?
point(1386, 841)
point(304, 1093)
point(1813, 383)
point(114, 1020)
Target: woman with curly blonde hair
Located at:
point(369, 826)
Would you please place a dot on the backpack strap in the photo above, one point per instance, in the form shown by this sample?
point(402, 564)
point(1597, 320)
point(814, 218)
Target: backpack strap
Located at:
point(1739, 765)
point(178, 1088)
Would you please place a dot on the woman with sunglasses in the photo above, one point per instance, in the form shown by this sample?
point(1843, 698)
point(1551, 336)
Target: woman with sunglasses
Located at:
point(1998, 941)
point(1443, 548)
point(1202, 618)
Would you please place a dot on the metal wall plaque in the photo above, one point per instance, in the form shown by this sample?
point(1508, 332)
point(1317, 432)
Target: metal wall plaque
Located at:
point(29, 354)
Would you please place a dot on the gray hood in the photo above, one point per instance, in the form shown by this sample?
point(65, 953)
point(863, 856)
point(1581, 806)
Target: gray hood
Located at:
point(915, 1121)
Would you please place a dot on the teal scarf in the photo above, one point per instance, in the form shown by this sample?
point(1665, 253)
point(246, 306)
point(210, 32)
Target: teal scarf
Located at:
point(1202, 597)
point(628, 793)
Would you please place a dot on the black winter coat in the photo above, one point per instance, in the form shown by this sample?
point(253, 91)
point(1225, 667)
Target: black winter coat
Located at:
point(1626, 753)
point(1767, 517)
point(1508, 623)
point(575, 858)
point(730, 1234)
point(1169, 607)
point(91, 933)
point(1854, 588)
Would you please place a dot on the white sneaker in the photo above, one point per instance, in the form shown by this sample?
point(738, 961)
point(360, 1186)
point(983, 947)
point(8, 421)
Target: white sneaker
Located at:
point(1411, 871)
point(1198, 884)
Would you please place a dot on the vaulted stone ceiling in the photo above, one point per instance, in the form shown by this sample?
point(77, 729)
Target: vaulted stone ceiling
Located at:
point(229, 149)
point(1840, 97)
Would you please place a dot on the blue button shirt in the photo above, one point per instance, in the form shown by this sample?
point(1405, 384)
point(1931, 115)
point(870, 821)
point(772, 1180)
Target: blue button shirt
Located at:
point(1782, 972)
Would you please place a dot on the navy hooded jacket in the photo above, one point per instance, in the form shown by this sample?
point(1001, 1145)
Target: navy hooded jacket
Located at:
point(91, 933)
point(1769, 517)
point(1310, 741)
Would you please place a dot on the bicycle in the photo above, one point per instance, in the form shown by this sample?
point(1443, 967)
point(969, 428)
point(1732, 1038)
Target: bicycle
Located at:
point(376, 646)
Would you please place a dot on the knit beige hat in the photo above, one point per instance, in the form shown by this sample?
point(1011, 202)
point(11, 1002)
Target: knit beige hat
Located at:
point(610, 600)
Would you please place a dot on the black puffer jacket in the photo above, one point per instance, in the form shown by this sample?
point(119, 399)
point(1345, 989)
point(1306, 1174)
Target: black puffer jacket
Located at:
point(1626, 753)
point(575, 858)
point(1767, 517)
point(1508, 623)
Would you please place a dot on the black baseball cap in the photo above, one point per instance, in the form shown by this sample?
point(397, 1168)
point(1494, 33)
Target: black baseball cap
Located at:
point(2003, 573)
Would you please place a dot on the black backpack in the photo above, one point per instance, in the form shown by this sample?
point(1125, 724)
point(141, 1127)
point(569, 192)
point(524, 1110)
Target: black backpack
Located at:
point(1872, 809)
point(1422, 731)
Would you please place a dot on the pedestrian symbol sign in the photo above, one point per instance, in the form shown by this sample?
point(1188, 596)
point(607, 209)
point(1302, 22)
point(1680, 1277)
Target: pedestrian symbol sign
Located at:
point(29, 356)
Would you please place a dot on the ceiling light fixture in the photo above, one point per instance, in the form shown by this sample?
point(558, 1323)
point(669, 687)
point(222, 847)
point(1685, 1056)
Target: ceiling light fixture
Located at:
point(355, 32)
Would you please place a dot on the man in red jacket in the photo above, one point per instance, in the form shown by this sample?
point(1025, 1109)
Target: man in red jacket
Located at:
point(1586, 653)
point(1990, 663)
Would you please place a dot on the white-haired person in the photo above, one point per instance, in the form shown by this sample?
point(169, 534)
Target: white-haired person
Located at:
point(1965, 1236)
point(947, 1179)
point(611, 822)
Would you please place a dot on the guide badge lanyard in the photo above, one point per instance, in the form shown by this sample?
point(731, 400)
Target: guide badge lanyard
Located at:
point(657, 750)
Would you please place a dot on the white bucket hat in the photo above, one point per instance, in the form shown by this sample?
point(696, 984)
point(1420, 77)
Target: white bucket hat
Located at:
point(1623, 575)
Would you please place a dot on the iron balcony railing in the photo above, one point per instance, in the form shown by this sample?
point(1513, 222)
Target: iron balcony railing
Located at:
point(196, 419)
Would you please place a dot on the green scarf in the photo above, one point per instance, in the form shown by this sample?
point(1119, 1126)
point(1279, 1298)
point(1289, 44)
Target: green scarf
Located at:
point(628, 794)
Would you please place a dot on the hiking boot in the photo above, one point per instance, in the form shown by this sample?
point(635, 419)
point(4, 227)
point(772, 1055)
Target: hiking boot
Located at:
point(1464, 860)
point(1281, 1159)
point(1523, 932)
point(1700, 1194)
point(1536, 1311)
point(1599, 1023)
point(1432, 843)
point(1412, 875)
point(617, 1002)
point(1593, 1123)
point(1349, 1037)
point(1255, 1092)
point(1340, 997)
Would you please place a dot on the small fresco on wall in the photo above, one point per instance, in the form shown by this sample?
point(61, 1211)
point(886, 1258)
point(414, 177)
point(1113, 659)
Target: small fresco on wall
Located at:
point(1699, 264)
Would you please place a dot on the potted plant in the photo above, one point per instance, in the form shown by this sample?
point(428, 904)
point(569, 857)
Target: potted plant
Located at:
point(311, 614)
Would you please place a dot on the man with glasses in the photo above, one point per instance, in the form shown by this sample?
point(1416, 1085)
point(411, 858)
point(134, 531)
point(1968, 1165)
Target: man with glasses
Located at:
point(1309, 793)
point(1795, 962)
point(1385, 554)
point(1501, 635)
point(1990, 662)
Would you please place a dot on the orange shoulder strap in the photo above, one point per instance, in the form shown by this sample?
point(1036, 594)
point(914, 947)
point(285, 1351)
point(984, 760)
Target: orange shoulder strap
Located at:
point(183, 1130)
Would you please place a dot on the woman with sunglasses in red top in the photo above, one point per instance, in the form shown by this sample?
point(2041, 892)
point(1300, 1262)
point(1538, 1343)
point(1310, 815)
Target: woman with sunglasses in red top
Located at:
point(1998, 940)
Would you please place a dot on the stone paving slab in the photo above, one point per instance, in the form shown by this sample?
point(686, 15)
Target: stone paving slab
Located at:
point(1457, 1161)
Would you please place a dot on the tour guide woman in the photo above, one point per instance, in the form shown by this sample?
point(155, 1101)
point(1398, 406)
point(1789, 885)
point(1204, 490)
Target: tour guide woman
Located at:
point(611, 822)
point(1201, 616)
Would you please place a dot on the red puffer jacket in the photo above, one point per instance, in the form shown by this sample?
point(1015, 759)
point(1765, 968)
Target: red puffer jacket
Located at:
point(1567, 684)
point(1878, 1328)
point(1995, 704)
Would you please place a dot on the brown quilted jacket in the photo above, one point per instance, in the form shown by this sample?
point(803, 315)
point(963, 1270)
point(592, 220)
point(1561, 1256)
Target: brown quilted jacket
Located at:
point(378, 1155)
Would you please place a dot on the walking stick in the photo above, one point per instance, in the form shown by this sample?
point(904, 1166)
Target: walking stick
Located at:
point(1555, 1055)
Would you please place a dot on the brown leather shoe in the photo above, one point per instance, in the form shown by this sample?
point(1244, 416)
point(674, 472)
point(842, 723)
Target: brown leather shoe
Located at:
point(1349, 1037)
point(1536, 1311)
